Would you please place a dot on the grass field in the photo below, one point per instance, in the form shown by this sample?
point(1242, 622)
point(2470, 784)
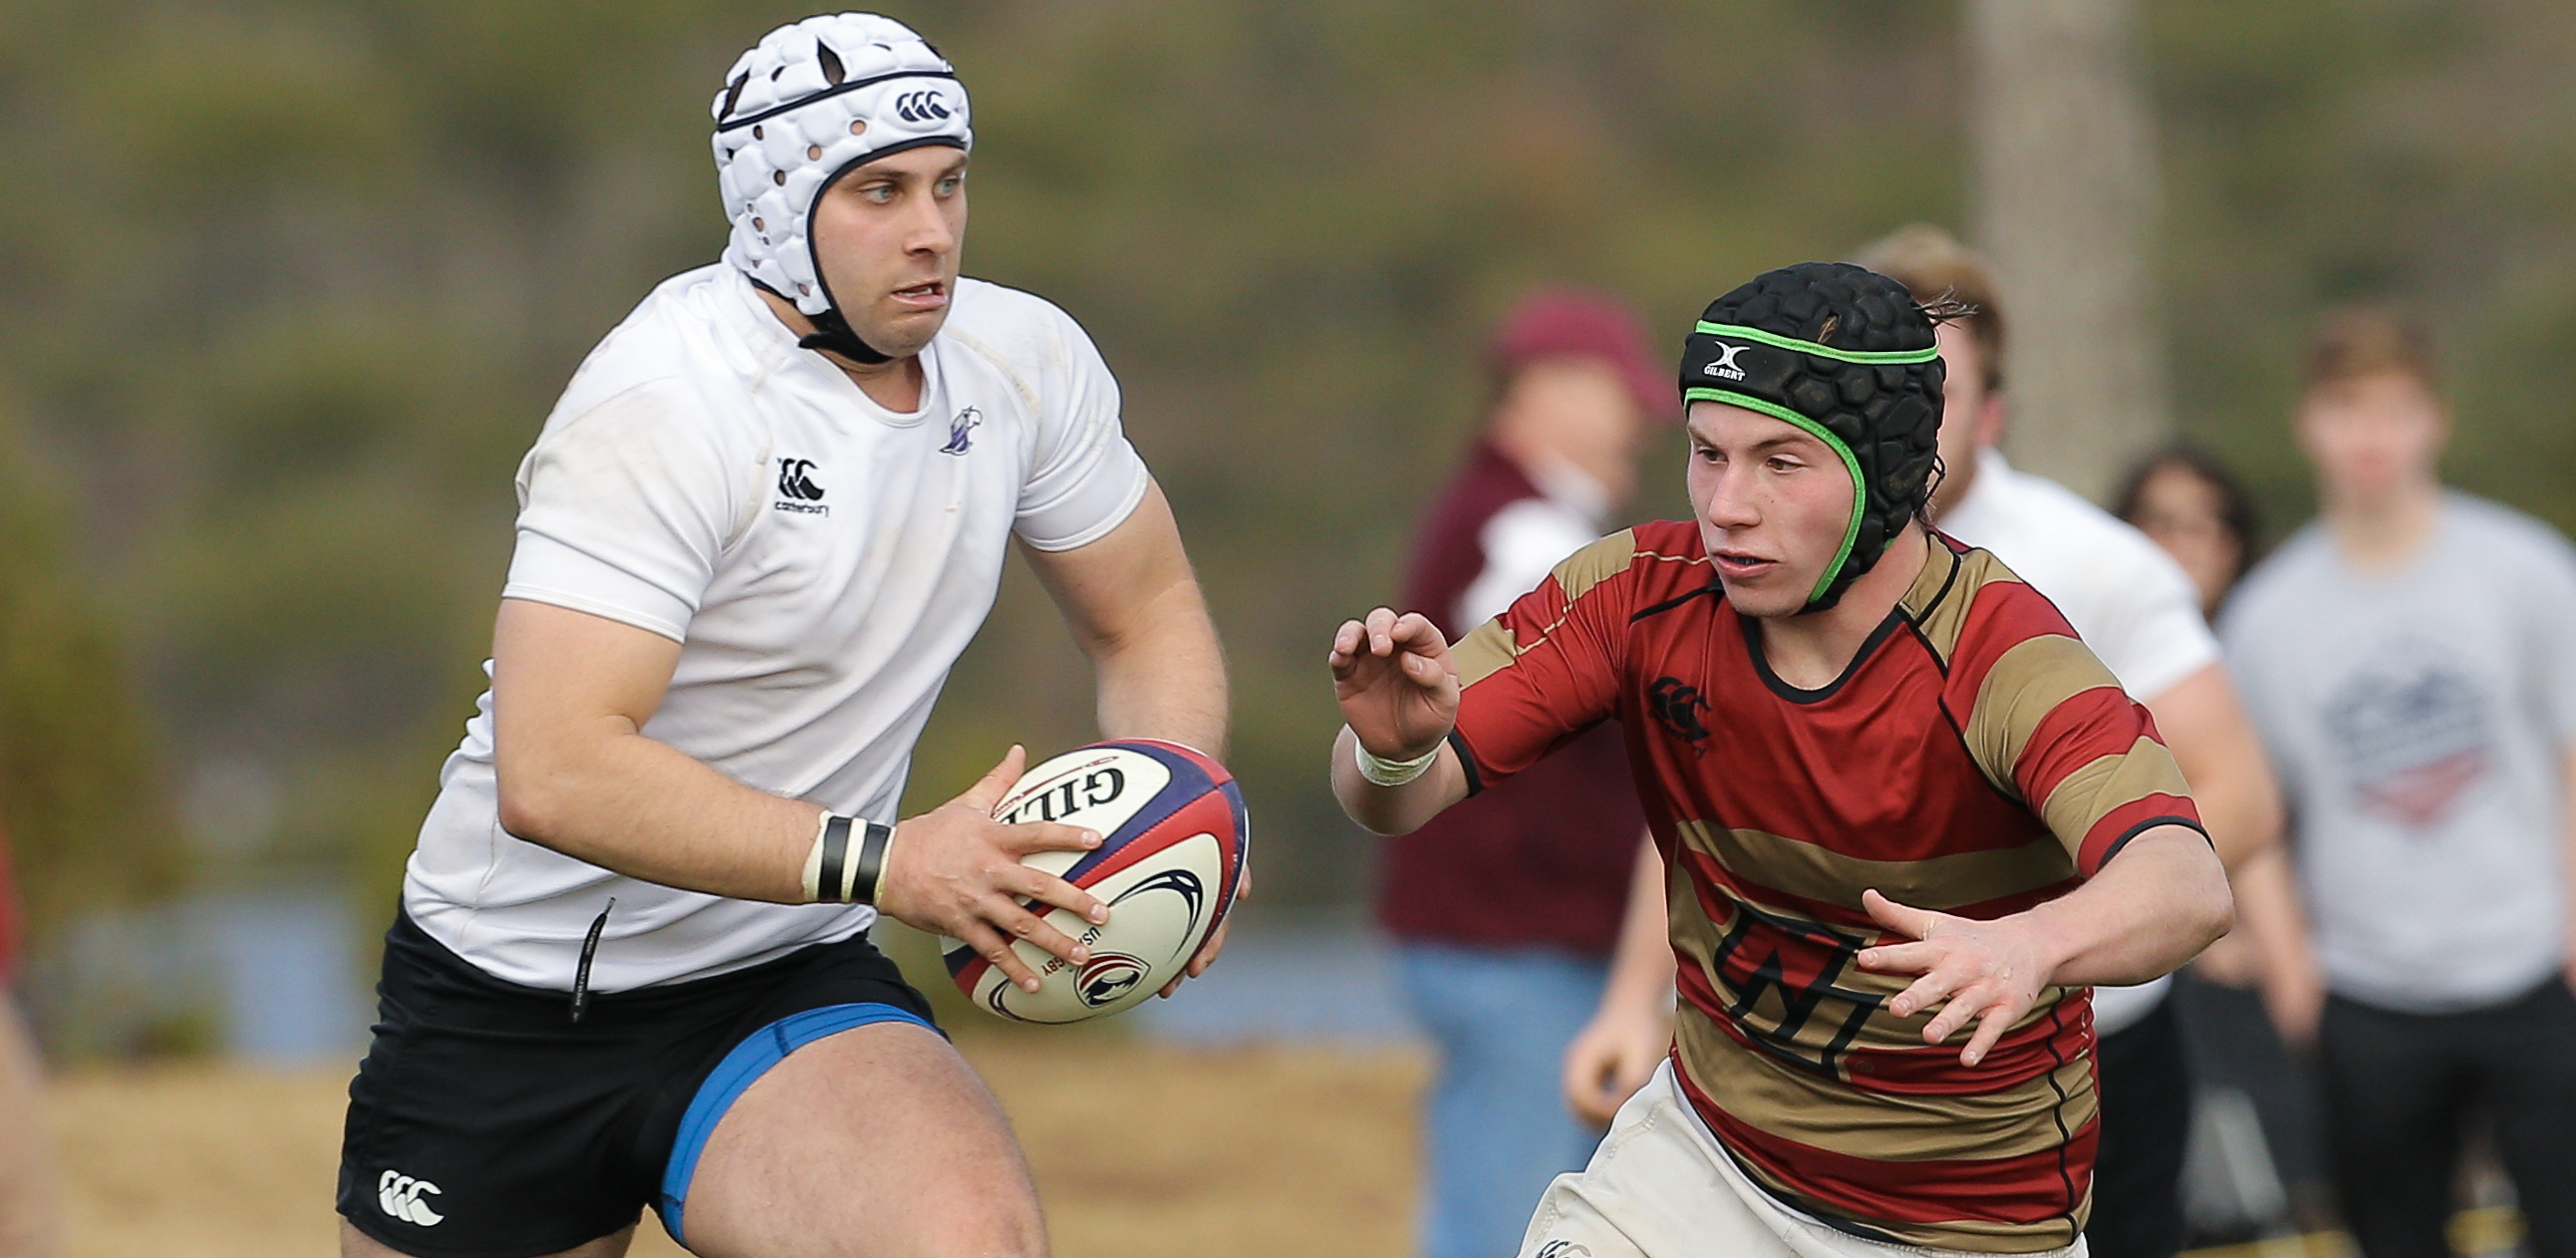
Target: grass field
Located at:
point(1248, 1153)
point(1140, 1151)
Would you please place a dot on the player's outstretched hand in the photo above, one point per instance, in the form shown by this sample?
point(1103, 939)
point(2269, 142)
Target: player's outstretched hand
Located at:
point(1613, 1056)
point(1396, 683)
point(955, 870)
point(1989, 973)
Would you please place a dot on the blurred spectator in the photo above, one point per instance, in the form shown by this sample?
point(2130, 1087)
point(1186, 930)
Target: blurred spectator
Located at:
point(2187, 502)
point(2256, 1165)
point(2408, 659)
point(1506, 908)
point(2141, 614)
point(26, 1183)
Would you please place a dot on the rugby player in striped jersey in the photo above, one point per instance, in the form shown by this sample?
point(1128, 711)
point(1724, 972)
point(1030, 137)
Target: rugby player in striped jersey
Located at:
point(1900, 804)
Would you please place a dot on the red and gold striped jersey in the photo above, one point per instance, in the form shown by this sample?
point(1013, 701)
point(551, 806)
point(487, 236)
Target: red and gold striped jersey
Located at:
point(1974, 758)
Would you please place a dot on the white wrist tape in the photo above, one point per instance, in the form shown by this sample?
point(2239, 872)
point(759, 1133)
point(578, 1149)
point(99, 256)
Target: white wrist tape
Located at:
point(1391, 772)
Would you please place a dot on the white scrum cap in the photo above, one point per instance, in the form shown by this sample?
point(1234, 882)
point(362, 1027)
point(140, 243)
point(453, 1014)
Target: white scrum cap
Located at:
point(810, 101)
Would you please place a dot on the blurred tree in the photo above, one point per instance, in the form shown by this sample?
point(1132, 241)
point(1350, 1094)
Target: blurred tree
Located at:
point(2319, 151)
point(352, 251)
point(289, 285)
point(2067, 198)
point(80, 797)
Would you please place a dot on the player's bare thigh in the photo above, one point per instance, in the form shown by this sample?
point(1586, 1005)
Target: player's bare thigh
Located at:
point(875, 1141)
point(357, 1244)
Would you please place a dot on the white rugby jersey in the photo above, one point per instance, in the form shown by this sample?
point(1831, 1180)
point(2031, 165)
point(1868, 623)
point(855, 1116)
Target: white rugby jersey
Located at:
point(820, 559)
point(2125, 596)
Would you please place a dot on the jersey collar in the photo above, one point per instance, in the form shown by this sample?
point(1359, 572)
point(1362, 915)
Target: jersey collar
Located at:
point(774, 344)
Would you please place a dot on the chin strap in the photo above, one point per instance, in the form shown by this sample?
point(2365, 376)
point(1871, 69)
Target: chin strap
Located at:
point(832, 332)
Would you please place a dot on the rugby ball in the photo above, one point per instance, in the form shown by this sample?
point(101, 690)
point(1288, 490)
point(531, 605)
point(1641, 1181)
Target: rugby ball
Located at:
point(1172, 832)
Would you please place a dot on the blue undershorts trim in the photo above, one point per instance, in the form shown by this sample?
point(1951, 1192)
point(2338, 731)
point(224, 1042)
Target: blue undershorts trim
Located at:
point(744, 1066)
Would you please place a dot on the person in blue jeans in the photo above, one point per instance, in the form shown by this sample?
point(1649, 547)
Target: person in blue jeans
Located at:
point(1507, 907)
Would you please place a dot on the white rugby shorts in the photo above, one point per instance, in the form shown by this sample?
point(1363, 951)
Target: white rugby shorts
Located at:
point(1661, 1187)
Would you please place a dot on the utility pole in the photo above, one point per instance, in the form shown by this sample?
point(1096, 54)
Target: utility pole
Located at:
point(2066, 198)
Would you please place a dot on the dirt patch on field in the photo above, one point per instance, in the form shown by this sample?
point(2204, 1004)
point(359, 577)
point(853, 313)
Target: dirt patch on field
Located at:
point(1140, 1151)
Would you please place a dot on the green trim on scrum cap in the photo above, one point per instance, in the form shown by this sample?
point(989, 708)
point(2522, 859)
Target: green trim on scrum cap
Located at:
point(1851, 464)
point(1871, 358)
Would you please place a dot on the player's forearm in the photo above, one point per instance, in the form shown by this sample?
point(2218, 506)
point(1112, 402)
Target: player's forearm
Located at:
point(1166, 679)
point(2152, 908)
point(2219, 753)
point(1641, 971)
point(1395, 809)
point(631, 804)
point(1134, 607)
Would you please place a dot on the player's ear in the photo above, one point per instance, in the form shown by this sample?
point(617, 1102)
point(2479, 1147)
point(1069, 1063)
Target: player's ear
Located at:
point(1994, 412)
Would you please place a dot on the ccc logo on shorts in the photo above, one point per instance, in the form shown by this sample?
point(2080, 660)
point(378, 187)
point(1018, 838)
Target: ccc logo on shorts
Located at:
point(398, 1195)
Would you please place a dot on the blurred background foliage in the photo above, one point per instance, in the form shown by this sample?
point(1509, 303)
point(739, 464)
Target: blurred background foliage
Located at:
point(287, 287)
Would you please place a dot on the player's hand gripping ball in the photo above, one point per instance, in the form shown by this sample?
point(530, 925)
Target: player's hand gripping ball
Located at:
point(1172, 833)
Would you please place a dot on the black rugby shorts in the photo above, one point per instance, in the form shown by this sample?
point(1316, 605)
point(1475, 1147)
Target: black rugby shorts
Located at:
point(486, 1123)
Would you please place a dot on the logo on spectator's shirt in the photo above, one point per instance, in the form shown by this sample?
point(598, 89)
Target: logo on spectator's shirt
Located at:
point(961, 431)
point(1724, 368)
point(797, 488)
point(2413, 729)
point(399, 1196)
point(1676, 707)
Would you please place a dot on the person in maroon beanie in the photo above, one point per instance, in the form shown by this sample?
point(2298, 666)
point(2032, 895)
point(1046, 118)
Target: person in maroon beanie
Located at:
point(1506, 908)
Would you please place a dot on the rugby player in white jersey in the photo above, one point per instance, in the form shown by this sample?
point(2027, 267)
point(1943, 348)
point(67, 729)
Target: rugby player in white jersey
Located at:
point(769, 511)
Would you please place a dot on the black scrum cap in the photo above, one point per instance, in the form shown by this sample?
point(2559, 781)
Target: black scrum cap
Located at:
point(1848, 355)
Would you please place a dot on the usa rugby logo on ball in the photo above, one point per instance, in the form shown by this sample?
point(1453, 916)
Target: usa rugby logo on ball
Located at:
point(1172, 831)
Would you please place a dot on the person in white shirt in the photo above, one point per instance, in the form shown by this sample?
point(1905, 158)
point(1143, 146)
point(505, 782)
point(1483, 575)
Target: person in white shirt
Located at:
point(768, 513)
point(2139, 613)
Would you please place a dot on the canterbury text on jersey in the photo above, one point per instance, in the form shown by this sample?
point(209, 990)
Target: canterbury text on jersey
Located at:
point(1974, 759)
point(820, 559)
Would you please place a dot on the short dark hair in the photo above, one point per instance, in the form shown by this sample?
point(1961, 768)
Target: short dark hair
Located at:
point(2353, 342)
point(1934, 265)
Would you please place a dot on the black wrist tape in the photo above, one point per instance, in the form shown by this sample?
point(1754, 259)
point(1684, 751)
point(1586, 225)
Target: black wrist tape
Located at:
point(844, 869)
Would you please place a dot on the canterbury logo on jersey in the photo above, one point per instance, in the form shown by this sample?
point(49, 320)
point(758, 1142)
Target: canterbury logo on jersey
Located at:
point(399, 1196)
point(920, 107)
point(1676, 706)
point(796, 486)
point(795, 480)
